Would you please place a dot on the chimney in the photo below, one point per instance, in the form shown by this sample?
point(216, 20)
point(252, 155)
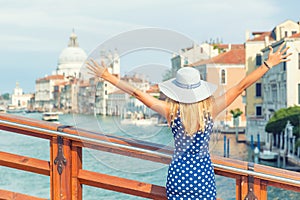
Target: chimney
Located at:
point(267, 41)
point(247, 34)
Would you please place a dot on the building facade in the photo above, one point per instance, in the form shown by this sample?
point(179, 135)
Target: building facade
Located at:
point(226, 70)
point(58, 91)
point(45, 92)
point(256, 111)
point(189, 55)
point(19, 100)
point(281, 85)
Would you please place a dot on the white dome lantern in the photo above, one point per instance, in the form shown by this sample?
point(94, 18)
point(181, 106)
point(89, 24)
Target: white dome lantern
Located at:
point(71, 58)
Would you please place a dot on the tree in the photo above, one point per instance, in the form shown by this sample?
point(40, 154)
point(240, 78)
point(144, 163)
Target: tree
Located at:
point(236, 113)
point(5, 96)
point(278, 121)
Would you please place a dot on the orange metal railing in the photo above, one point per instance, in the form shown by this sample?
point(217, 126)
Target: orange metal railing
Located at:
point(65, 165)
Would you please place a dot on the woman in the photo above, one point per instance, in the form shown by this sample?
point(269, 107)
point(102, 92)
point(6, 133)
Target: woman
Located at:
point(189, 110)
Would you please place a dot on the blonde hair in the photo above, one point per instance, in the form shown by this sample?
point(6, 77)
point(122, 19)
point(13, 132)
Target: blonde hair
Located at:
point(193, 115)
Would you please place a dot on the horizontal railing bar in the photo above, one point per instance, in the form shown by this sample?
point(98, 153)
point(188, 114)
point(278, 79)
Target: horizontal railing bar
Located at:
point(259, 175)
point(123, 185)
point(25, 163)
point(8, 195)
point(82, 139)
point(76, 131)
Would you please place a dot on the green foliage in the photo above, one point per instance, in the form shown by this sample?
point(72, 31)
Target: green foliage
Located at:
point(278, 122)
point(5, 96)
point(236, 113)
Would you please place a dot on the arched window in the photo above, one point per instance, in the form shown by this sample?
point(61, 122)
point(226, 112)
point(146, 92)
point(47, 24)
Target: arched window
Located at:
point(223, 76)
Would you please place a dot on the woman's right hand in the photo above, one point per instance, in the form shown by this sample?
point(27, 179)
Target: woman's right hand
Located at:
point(95, 69)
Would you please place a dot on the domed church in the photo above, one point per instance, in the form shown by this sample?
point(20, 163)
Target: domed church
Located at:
point(71, 59)
point(57, 91)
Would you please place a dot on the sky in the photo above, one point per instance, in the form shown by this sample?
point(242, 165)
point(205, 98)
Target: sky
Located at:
point(33, 33)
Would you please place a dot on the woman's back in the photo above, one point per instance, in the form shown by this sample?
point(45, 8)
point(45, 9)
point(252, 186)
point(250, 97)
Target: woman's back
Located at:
point(191, 173)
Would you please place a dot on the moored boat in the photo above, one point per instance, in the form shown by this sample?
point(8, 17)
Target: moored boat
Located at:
point(50, 116)
point(268, 155)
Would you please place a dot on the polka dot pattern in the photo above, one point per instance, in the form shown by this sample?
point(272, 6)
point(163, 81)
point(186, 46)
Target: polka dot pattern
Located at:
point(191, 174)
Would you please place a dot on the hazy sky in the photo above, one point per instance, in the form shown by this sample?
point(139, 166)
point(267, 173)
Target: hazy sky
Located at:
point(33, 32)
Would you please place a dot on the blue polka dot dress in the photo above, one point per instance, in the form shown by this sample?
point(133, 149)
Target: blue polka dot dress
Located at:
point(191, 174)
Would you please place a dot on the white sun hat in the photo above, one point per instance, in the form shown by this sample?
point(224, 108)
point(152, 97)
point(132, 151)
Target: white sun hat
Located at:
point(187, 87)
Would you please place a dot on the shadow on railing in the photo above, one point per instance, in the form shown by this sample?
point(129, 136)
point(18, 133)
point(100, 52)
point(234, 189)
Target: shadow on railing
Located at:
point(65, 165)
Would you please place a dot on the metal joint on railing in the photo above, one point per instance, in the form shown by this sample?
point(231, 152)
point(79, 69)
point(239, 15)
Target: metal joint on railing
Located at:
point(61, 128)
point(60, 159)
point(250, 195)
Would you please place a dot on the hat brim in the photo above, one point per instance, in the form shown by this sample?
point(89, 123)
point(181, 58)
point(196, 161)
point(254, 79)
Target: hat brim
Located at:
point(184, 95)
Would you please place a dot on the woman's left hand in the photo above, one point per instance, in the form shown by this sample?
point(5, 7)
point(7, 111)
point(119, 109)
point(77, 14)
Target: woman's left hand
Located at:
point(277, 57)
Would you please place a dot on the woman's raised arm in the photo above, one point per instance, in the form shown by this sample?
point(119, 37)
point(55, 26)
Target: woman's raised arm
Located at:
point(101, 71)
point(274, 58)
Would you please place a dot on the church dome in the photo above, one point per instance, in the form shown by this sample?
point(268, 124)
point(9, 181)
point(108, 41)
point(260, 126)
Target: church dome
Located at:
point(72, 57)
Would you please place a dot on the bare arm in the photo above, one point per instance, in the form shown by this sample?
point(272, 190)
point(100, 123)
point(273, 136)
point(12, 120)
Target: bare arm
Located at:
point(155, 104)
point(228, 97)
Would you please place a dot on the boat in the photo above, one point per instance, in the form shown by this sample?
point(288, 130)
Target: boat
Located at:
point(2, 110)
point(50, 116)
point(268, 155)
point(138, 119)
point(14, 109)
point(139, 122)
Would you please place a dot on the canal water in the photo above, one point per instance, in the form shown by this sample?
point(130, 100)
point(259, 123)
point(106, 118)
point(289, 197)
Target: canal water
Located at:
point(117, 165)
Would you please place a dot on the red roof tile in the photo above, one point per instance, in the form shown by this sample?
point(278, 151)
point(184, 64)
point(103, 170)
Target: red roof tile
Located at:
point(51, 77)
point(234, 56)
point(297, 35)
point(117, 92)
point(153, 89)
point(261, 36)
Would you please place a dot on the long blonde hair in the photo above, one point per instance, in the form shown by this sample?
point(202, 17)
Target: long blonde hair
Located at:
point(193, 115)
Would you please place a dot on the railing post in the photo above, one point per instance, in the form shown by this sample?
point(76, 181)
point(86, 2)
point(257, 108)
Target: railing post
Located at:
point(244, 187)
point(76, 166)
point(256, 188)
point(263, 189)
point(253, 184)
point(60, 169)
point(238, 188)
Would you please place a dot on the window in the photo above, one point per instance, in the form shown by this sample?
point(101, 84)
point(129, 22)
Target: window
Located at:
point(285, 33)
point(258, 89)
point(298, 60)
point(274, 92)
point(298, 93)
point(258, 59)
point(186, 61)
point(258, 111)
point(294, 32)
point(284, 66)
point(223, 76)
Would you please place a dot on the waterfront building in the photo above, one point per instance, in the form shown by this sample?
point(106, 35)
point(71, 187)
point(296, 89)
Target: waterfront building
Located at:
point(119, 102)
point(225, 70)
point(19, 100)
point(189, 55)
point(281, 85)
point(104, 88)
point(256, 114)
point(58, 91)
point(45, 91)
